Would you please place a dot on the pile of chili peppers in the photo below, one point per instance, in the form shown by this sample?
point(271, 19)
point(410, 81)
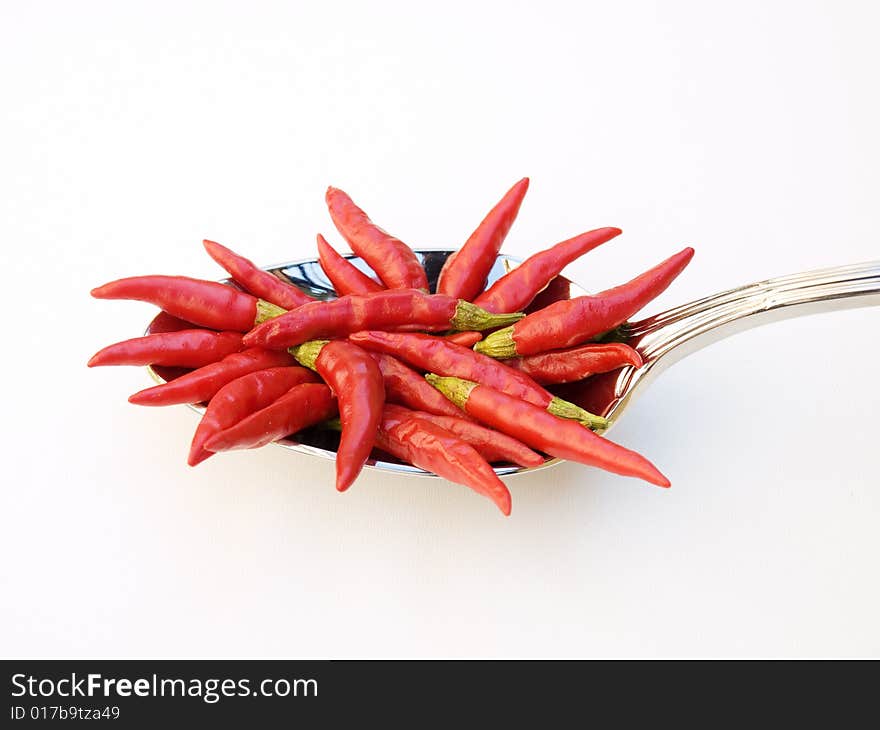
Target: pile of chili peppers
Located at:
point(451, 381)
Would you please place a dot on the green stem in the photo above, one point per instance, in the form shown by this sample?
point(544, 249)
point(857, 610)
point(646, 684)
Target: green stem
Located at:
point(307, 353)
point(267, 310)
point(456, 389)
point(564, 409)
point(471, 317)
point(499, 345)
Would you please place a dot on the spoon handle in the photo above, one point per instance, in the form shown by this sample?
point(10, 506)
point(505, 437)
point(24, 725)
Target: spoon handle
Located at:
point(673, 334)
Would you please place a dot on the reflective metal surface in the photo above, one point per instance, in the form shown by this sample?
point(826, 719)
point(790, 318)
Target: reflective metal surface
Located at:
point(308, 276)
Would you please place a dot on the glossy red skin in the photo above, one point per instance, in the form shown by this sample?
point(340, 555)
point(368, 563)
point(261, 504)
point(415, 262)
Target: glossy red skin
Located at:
point(405, 386)
point(191, 348)
point(432, 448)
point(438, 356)
point(464, 274)
point(258, 282)
point(492, 445)
point(557, 436)
point(237, 400)
point(201, 385)
point(465, 339)
point(393, 261)
point(204, 303)
point(345, 276)
point(572, 322)
point(520, 286)
point(356, 380)
point(340, 317)
point(576, 363)
point(302, 406)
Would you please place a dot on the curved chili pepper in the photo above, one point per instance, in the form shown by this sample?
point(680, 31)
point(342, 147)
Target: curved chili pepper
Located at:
point(258, 282)
point(465, 339)
point(201, 385)
point(545, 432)
point(432, 448)
point(436, 355)
point(302, 406)
point(356, 380)
point(577, 363)
point(204, 303)
point(394, 261)
point(492, 445)
point(521, 285)
point(344, 275)
point(237, 400)
point(464, 274)
point(384, 309)
point(191, 348)
point(574, 321)
point(405, 386)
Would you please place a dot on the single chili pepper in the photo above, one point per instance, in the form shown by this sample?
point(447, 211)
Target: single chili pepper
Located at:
point(545, 432)
point(258, 282)
point(302, 406)
point(492, 445)
point(432, 448)
point(405, 386)
point(356, 380)
point(237, 400)
point(436, 355)
point(190, 348)
point(521, 285)
point(465, 339)
point(204, 303)
point(574, 321)
point(201, 385)
point(394, 261)
point(344, 275)
point(384, 309)
point(464, 274)
point(577, 363)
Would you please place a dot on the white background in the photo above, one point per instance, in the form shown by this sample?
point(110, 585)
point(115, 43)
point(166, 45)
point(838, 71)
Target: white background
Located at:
point(130, 131)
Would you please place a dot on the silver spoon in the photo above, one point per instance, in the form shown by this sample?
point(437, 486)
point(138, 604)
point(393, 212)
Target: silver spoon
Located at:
point(661, 340)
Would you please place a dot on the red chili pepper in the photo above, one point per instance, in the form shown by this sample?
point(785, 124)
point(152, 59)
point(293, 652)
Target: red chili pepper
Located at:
point(357, 382)
point(492, 445)
point(465, 339)
point(405, 386)
point(436, 355)
point(545, 432)
point(432, 448)
point(384, 309)
point(394, 261)
point(464, 274)
point(302, 406)
point(577, 363)
point(344, 275)
point(521, 285)
point(201, 385)
point(237, 400)
point(204, 303)
point(258, 282)
point(190, 348)
point(574, 321)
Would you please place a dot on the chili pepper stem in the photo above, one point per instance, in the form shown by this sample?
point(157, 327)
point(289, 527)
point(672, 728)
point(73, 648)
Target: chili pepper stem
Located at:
point(307, 353)
point(456, 389)
point(564, 409)
point(471, 317)
point(499, 345)
point(267, 310)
